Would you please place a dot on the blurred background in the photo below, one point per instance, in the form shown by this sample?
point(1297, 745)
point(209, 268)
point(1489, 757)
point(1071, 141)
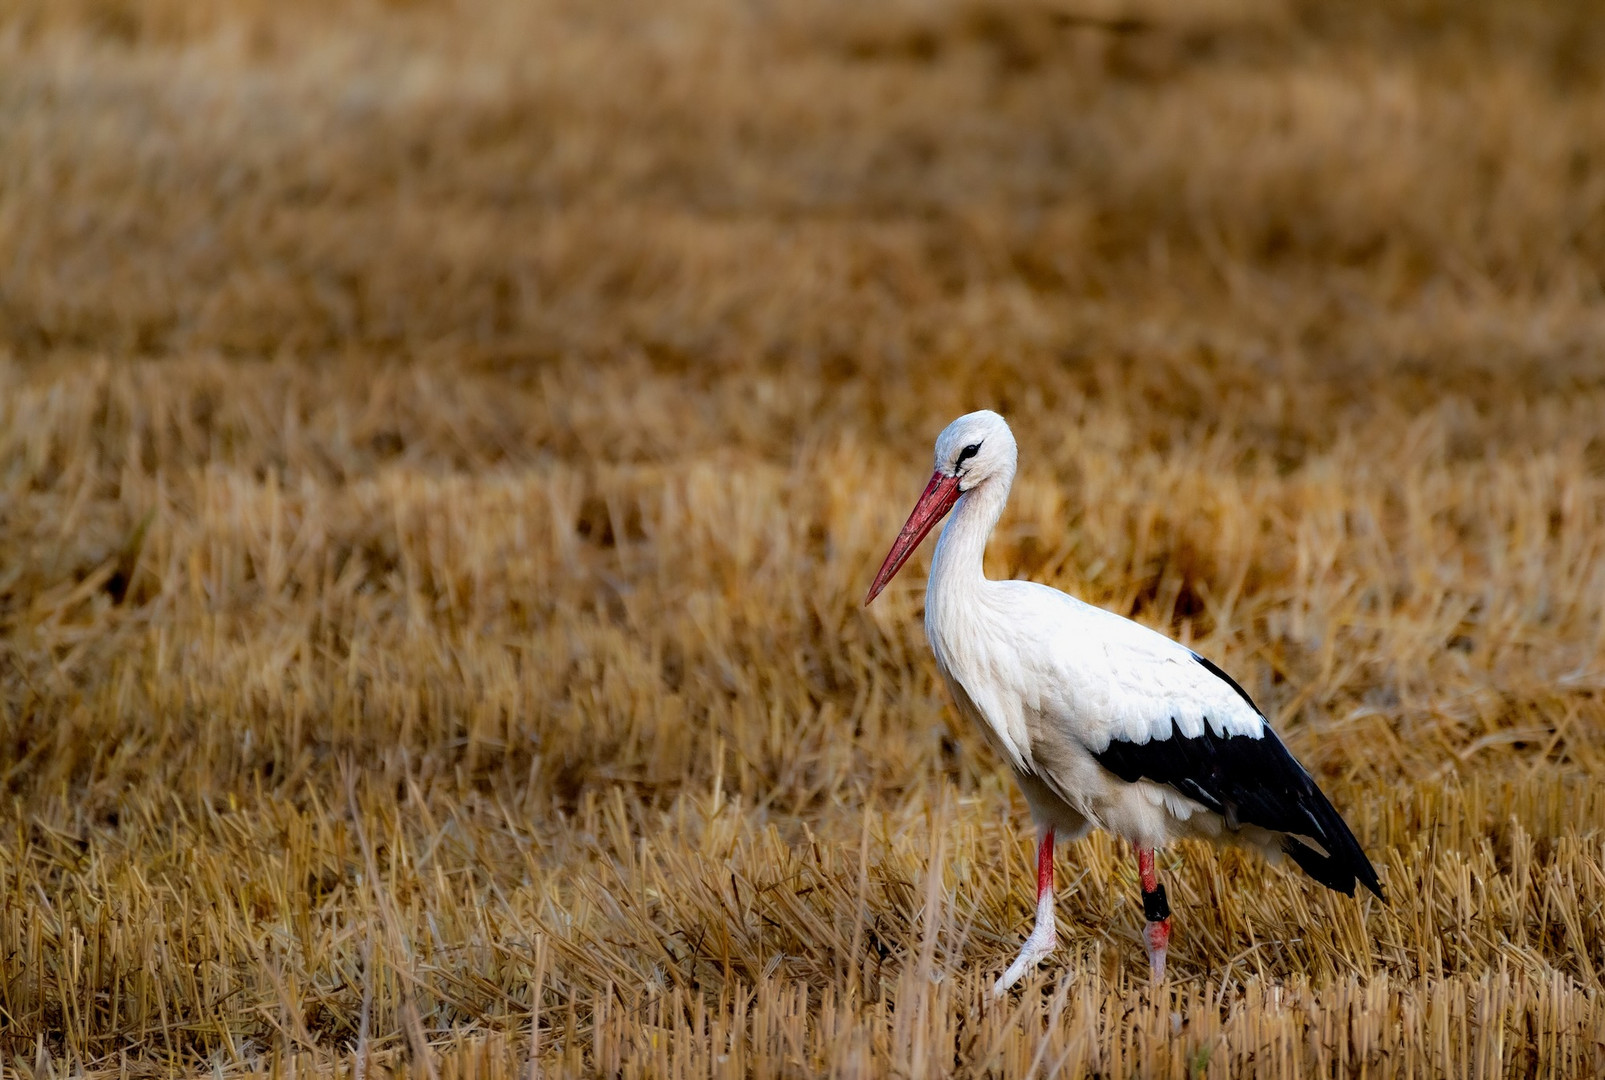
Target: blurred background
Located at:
point(444, 444)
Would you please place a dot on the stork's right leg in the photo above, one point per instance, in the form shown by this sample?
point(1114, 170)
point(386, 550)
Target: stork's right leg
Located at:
point(1042, 939)
point(1155, 935)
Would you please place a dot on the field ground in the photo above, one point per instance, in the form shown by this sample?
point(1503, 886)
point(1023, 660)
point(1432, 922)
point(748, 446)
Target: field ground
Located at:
point(444, 446)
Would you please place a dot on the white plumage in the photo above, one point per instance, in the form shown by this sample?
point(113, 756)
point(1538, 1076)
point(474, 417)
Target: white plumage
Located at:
point(1054, 680)
point(1104, 722)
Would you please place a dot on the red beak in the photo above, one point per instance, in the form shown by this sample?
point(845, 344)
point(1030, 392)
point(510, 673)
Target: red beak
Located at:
point(940, 495)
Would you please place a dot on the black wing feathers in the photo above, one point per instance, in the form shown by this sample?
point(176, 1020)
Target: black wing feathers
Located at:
point(1254, 782)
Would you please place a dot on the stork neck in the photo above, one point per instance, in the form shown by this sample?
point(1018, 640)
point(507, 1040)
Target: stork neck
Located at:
point(961, 549)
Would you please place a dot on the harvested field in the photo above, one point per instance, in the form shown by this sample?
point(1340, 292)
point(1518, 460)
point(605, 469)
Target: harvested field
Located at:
point(444, 447)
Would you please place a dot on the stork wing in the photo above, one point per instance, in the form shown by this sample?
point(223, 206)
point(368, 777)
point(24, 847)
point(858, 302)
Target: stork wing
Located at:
point(1249, 778)
point(1167, 715)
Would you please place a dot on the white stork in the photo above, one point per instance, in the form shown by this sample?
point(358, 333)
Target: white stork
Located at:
point(1105, 722)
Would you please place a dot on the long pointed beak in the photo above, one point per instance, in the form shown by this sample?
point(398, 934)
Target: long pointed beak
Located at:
point(940, 495)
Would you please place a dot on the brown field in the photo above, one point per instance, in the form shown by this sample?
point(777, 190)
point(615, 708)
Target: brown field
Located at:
point(444, 446)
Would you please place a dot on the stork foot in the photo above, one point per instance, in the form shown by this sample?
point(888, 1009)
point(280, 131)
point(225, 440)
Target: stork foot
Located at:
point(1156, 936)
point(1036, 949)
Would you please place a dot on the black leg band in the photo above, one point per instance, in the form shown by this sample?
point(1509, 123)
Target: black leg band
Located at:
point(1154, 905)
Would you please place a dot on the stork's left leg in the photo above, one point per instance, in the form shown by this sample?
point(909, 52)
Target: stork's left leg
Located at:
point(1156, 909)
point(1042, 939)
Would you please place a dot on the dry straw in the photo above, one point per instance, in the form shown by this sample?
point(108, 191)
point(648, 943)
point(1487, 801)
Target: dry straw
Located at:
point(443, 444)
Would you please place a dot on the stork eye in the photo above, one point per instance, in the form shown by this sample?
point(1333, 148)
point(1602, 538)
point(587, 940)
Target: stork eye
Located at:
point(967, 453)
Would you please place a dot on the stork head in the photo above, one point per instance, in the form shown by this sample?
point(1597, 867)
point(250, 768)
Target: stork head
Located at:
point(972, 450)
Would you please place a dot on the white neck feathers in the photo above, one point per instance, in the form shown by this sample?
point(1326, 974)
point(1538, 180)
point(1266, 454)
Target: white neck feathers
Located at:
point(957, 565)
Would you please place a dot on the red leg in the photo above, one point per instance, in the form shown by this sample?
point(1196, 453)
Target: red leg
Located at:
point(1156, 934)
point(1042, 938)
point(1045, 865)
